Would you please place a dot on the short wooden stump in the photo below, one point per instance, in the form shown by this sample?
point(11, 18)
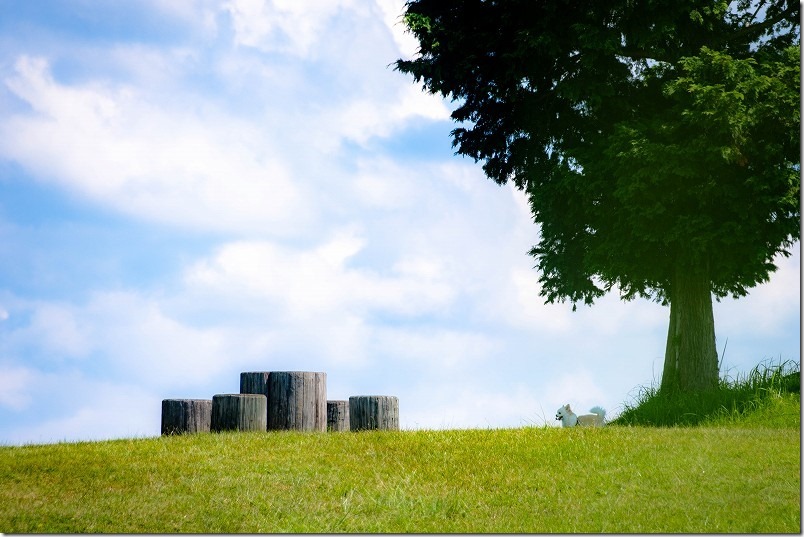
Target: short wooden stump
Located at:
point(186, 416)
point(337, 416)
point(238, 412)
point(373, 412)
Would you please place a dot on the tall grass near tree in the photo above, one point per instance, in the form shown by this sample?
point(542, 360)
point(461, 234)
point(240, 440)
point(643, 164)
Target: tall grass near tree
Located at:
point(767, 394)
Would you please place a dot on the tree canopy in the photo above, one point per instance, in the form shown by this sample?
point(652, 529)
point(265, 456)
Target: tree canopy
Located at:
point(654, 138)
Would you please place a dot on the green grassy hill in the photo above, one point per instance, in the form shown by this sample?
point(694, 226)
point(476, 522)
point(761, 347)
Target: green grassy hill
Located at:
point(733, 476)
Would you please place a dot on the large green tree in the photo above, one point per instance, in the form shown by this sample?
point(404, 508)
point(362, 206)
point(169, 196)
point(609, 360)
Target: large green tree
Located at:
point(657, 140)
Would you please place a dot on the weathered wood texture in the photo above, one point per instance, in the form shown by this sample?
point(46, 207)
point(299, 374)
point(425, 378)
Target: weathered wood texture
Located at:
point(240, 412)
point(373, 412)
point(337, 416)
point(186, 416)
point(254, 382)
point(297, 400)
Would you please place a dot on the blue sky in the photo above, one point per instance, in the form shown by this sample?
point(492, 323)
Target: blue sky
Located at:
point(189, 190)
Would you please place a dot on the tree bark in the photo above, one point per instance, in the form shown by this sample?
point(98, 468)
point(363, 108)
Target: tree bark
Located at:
point(690, 359)
point(373, 412)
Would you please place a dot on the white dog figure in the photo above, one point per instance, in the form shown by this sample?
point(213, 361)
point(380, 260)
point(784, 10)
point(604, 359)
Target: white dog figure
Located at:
point(568, 418)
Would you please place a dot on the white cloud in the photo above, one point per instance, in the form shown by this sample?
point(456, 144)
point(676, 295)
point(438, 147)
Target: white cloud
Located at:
point(373, 116)
point(392, 11)
point(356, 98)
point(319, 280)
point(579, 388)
point(55, 329)
point(201, 14)
point(84, 409)
point(14, 383)
point(300, 28)
point(436, 351)
point(147, 66)
point(453, 406)
point(286, 26)
point(49, 330)
point(526, 308)
point(192, 168)
point(767, 306)
point(157, 147)
point(123, 335)
point(140, 341)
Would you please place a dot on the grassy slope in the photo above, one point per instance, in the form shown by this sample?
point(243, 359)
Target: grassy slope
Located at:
point(727, 477)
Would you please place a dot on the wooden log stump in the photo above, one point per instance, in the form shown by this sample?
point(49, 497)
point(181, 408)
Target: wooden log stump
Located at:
point(297, 400)
point(238, 412)
point(255, 382)
point(373, 412)
point(186, 416)
point(337, 416)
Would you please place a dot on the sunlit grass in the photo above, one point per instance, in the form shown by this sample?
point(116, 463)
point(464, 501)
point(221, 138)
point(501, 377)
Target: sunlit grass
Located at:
point(612, 479)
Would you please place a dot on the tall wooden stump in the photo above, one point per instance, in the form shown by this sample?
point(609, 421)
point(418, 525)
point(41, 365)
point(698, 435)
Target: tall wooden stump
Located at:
point(239, 412)
point(373, 412)
point(297, 400)
point(186, 416)
point(337, 416)
point(254, 382)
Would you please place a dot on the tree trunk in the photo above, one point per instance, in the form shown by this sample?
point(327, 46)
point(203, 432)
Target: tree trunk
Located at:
point(186, 416)
point(337, 416)
point(238, 412)
point(690, 359)
point(373, 412)
point(297, 400)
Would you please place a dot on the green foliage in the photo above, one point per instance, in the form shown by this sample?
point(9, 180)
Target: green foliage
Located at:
point(536, 480)
point(654, 140)
point(648, 136)
point(709, 178)
point(769, 395)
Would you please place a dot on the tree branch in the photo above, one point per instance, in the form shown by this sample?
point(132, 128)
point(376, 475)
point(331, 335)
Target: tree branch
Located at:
point(761, 26)
point(735, 37)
